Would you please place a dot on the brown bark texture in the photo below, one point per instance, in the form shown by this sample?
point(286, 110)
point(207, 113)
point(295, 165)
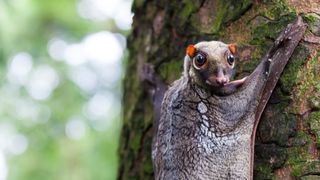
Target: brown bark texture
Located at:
point(288, 136)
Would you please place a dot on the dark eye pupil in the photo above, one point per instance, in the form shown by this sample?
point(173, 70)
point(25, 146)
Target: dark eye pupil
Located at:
point(231, 59)
point(200, 59)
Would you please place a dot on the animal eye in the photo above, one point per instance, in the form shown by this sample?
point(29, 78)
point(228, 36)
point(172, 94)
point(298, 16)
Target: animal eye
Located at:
point(200, 60)
point(230, 59)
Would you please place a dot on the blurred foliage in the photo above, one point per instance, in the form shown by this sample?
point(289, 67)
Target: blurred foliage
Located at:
point(28, 26)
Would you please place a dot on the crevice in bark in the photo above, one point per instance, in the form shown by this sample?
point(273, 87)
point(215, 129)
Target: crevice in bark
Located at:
point(137, 162)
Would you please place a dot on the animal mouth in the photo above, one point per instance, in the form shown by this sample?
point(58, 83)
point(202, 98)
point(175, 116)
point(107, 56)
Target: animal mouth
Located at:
point(226, 84)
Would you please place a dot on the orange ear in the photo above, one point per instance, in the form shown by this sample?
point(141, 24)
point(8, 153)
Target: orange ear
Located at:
point(191, 51)
point(232, 48)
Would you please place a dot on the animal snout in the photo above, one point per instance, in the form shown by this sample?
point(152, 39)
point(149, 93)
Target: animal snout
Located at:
point(221, 80)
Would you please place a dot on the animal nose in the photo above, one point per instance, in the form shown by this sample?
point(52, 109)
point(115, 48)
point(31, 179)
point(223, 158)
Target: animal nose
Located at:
point(221, 80)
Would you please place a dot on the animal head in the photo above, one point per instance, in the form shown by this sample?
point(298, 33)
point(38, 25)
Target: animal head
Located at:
point(211, 64)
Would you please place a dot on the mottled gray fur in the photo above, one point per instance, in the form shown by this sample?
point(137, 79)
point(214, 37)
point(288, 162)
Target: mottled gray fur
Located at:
point(205, 136)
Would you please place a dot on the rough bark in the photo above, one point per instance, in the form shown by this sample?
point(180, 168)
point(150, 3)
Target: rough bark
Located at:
point(288, 137)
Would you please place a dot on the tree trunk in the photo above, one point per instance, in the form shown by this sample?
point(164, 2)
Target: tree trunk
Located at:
point(288, 137)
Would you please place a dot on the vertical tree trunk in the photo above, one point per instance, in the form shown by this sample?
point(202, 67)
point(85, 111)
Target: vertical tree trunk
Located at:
point(288, 137)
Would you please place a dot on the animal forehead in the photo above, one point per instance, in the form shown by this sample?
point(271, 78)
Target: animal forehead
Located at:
point(214, 49)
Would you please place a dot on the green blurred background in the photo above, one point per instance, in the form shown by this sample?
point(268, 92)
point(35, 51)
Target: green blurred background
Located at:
point(61, 71)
